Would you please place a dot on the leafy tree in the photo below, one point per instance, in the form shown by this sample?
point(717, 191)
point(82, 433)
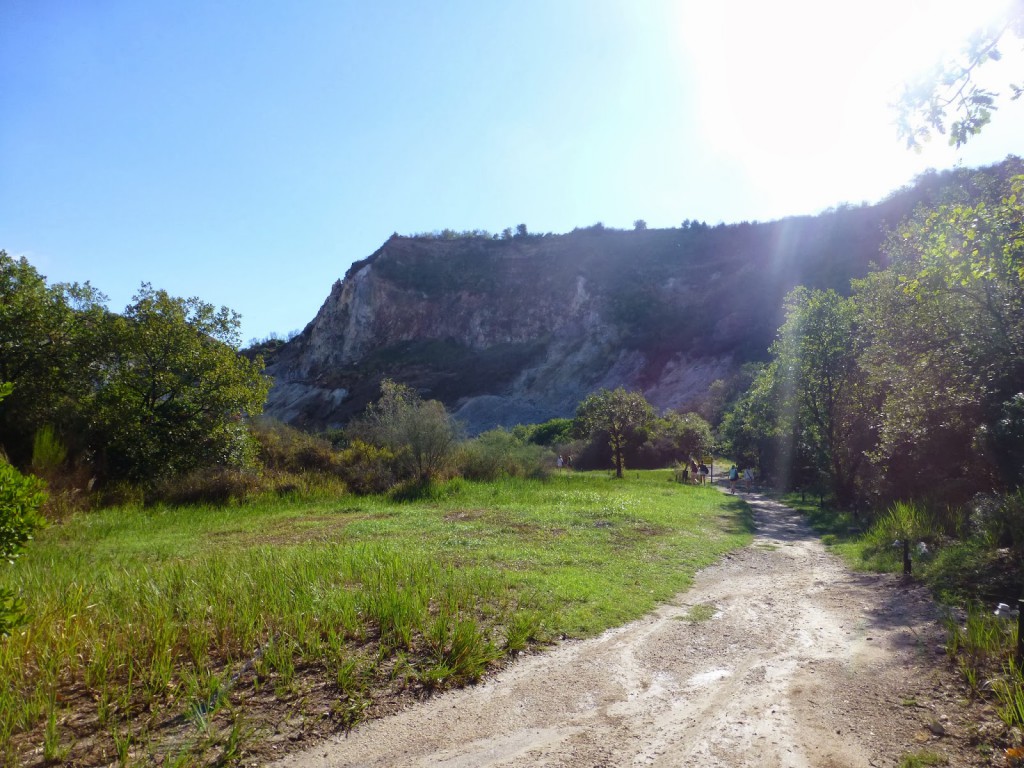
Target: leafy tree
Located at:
point(804, 417)
point(952, 87)
point(420, 434)
point(821, 385)
point(680, 436)
point(20, 500)
point(48, 341)
point(173, 391)
point(521, 230)
point(616, 413)
point(945, 328)
point(639, 225)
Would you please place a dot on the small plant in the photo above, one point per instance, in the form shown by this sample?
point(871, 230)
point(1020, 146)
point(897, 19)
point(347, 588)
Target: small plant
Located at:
point(1009, 692)
point(923, 759)
point(53, 750)
point(701, 612)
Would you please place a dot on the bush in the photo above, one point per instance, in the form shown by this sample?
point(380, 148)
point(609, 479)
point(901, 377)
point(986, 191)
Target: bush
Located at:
point(499, 453)
point(367, 468)
point(20, 499)
point(999, 520)
point(284, 448)
point(211, 485)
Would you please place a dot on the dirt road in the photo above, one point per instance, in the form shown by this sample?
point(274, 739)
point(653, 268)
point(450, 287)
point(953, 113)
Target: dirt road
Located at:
point(802, 664)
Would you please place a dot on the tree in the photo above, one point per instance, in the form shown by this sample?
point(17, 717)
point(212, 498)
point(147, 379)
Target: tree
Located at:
point(172, 391)
point(680, 436)
point(945, 345)
point(804, 417)
point(615, 413)
point(521, 230)
point(639, 225)
point(952, 87)
point(48, 340)
point(420, 434)
point(20, 500)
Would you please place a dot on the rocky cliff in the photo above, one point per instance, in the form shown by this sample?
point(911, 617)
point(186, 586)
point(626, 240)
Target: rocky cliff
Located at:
point(520, 330)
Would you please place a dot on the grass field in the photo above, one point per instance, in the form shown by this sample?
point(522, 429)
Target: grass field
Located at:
point(197, 636)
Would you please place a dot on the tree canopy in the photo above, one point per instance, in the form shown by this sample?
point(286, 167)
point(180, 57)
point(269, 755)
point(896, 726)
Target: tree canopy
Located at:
point(616, 413)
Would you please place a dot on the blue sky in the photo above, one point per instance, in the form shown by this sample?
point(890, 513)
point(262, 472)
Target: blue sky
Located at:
point(248, 152)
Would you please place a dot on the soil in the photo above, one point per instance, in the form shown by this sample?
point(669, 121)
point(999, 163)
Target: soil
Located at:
point(779, 656)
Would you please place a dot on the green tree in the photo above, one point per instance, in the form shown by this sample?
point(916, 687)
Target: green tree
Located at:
point(20, 500)
point(615, 413)
point(945, 345)
point(48, 343)
point(952, 87)
point(680, 436)
point(804, 417)
point(420, 434)
point(173, 392)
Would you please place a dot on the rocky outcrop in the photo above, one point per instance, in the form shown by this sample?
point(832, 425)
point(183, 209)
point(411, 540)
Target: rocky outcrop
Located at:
point(520, 330)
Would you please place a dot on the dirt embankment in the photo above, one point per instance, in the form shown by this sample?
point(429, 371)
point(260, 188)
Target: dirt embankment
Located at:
point(802, 663)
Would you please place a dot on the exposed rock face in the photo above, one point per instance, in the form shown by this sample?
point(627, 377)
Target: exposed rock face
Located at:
point(519, 331)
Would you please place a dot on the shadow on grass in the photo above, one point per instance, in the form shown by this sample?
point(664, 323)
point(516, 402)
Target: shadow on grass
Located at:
point(741, 519)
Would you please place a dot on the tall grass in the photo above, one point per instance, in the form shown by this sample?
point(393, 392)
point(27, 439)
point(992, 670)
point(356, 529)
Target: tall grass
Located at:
point(142, 617)
point(984, 647)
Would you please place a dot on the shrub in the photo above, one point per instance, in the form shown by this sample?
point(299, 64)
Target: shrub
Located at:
point(499, 453)
point(285, 448)
point(367, 468)
point(211, 485)
point(999, 519)
point(20, 499)
point(48, 452)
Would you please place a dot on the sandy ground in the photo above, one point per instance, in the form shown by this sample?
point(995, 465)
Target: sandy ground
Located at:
point(803, 664)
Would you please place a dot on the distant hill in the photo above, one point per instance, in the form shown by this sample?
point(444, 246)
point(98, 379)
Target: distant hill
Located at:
point(519, 330)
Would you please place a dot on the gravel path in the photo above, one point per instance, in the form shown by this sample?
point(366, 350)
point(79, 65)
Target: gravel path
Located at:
point(804, 663)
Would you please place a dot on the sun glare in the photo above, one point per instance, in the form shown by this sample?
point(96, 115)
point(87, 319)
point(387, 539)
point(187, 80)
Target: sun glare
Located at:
point(801, 93)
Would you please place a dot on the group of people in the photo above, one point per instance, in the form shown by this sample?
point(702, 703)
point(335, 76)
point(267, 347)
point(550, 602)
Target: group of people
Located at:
point(699, 472)
point(735, 475)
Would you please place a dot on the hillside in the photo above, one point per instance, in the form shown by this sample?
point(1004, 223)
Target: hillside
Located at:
point(519, 330)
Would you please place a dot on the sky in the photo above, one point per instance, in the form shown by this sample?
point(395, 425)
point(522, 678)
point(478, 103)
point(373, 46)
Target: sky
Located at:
point(247, 152)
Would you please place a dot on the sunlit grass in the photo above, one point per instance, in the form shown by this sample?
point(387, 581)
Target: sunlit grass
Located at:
point(142, 616)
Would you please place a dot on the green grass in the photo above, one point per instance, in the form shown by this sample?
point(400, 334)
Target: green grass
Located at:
point(922, 759)
point(187, 616)
point(700, 612)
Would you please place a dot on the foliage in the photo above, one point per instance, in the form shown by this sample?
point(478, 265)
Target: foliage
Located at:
point(157, 391)
point(944, 328)
point(420, 434)
point(999, 519)
point(173, 390)
point(48, 345)
point(615, 413)
point(285, 448)
point(367, 468)
point(499, 453)
point(905, 522)
point(803, 418)
point(48, 452)
point(675, 437)
point(20, 500)
point(550, 433)
point(953, 86)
